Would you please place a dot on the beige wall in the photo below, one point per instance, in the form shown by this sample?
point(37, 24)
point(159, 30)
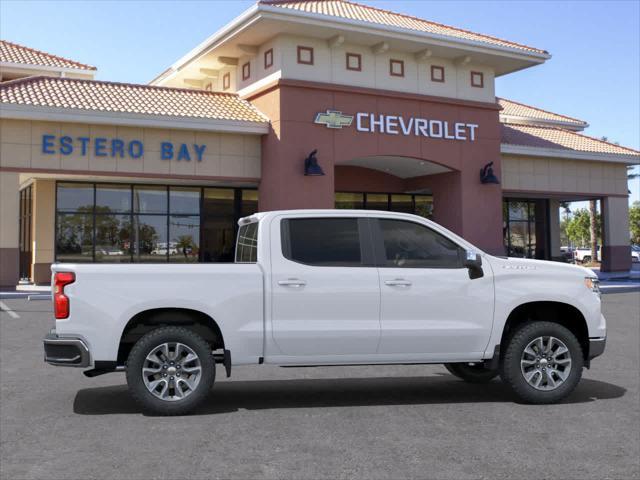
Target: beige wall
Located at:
point(330, 67)
point(9, 209)
point(538, 174)
point(9, 221)
point(226, 154)
point(44, 201)
point(616, 221)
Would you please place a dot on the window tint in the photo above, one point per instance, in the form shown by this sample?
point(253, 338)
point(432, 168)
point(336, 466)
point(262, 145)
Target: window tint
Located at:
point(411, 245)
point(323, 241)
point(247, 247)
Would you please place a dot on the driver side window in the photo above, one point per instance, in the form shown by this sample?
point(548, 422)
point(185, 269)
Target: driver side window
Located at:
point(411, 245)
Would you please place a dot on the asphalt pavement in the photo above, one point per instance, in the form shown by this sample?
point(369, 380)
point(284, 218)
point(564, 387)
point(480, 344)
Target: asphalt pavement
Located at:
point(333, 422)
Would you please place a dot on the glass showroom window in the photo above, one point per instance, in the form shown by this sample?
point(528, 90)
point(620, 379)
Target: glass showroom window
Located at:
point(74, 222)
point(421, 205)
point(120, 223)
point(519, 228)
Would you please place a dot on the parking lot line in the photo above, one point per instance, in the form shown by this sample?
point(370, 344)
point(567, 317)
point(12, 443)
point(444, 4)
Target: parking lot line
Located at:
point(5, 308)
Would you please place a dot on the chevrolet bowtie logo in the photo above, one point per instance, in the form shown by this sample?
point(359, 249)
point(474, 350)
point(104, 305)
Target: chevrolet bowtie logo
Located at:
point(334, 119)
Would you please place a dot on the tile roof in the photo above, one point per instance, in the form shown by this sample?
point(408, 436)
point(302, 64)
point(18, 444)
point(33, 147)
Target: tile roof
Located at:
point(354, 11)
point(559, 139)
point(516, 109)
point(14, 53)
point(127, 98)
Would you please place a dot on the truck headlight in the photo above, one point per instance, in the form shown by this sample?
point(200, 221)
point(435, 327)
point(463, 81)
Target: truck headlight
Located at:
point(592, 284)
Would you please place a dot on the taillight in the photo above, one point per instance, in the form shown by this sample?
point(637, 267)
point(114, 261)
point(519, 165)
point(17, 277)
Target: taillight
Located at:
point(60, 300)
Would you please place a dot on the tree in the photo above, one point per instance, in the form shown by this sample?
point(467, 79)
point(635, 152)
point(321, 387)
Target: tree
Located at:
point(634, 222)
point(579, 227)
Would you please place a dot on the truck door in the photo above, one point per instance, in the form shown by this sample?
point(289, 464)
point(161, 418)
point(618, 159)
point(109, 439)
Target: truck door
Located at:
point(325, 288)
point(430, 308)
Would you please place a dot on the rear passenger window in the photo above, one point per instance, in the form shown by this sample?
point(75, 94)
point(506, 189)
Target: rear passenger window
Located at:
point(247, 245)
point(411, 245)
point(322, 242)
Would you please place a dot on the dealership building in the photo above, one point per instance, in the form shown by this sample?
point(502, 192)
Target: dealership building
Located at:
point(294, 104)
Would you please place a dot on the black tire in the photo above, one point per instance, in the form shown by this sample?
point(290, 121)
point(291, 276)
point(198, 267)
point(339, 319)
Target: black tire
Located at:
point(471, 373)
point(513, 376)
point(138, 356)
point(586, 259)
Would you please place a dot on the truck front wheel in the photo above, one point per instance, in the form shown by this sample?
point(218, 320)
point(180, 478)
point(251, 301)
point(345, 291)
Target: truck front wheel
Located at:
point(542, 362)
point(170, 371)
point(472, 373)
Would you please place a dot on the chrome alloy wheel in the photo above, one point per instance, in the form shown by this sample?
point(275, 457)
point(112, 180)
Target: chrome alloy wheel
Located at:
point(171, 371)
point(545, 363)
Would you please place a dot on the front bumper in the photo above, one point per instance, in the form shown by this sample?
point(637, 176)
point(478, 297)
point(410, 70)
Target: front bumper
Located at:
point(596, 347)
point(66, 351)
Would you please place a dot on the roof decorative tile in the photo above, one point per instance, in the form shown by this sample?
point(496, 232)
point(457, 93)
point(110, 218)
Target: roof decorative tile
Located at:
point(127, 98)
point(559, 139)
point(516, 109)
point(354, 11)
point(14, 53)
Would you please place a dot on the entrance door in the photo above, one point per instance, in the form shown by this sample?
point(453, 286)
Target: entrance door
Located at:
point(325, 290)
point(430, 308)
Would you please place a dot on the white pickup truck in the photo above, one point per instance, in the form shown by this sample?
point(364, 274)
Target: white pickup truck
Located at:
point(583, 255)
point(329, 287)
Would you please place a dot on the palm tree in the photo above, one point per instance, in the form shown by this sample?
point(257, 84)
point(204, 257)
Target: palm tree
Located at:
point(593, 230)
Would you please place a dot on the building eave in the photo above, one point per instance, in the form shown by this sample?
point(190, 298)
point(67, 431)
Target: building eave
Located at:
point(57, 114)
point(438, 39)
point(574, 126)
point(508, 149)
point(208, 44)
point(259, 11)
point(46, 68)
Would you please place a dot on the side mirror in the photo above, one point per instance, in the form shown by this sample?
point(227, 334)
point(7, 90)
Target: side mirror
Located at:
point(473, 262)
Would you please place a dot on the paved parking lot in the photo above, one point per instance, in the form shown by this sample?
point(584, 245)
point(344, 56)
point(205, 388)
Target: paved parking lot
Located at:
point(338, 422)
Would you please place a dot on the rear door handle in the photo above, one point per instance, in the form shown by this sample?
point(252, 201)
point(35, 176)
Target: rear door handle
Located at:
point(398, 282)
point(292, 282)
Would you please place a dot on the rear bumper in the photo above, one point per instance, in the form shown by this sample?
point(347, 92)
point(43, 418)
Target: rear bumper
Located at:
point(596, 347)
point(66, 351)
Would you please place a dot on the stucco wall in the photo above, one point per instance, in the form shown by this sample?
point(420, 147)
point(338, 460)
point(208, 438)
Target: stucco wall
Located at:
point(226, 155)
point(329, 66)
point(9, 213)
point(537, 174)
point(43, 225)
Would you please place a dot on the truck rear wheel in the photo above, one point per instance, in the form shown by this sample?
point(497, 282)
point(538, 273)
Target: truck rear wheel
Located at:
point(472, 373)
point(170, 371)
point(542, 362)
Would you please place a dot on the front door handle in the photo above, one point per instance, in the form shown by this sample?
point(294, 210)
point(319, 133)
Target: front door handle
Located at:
point(398, 282)
point(292, 282)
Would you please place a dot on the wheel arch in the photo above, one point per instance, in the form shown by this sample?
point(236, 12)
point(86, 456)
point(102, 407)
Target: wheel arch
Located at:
point(561, 313)
point(147, 320)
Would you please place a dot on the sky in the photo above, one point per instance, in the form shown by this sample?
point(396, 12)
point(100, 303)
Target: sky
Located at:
point(593, 75)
